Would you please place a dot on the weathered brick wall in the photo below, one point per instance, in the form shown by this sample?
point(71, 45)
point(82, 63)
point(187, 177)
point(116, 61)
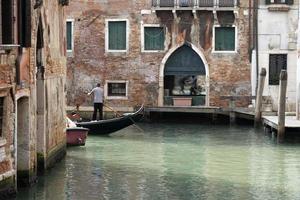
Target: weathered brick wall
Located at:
point(52, 17)
point(7, 77)
point(229, 73)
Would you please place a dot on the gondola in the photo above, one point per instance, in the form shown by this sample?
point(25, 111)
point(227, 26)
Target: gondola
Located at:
point(104, 127)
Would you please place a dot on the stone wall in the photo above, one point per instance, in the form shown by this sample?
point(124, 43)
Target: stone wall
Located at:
point(89, 63)
point(32, 80)
point(7, 150)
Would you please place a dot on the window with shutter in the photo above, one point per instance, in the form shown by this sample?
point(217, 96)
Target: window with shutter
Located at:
point(6, 22)
point(1, 115)
point(24, 16)
point(116, 89)
point(154, 38)
point(277, 62)
point(224, 38)
point(69, 30)
point(117, 35)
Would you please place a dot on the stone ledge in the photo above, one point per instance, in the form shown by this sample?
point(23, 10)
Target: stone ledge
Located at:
point(7, 175)
point(279, 8)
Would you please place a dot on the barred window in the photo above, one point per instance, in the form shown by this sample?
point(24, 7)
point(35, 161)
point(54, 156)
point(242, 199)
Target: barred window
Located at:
point(277, 62)
point(116, 89)
point(1, 114)
point(289, 2)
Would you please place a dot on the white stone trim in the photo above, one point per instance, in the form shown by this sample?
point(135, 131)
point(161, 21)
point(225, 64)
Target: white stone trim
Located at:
point(72, 35)
point(235, 43)
point(143, 38)
point(115, 97)
point(107, 35)
point(162, 68)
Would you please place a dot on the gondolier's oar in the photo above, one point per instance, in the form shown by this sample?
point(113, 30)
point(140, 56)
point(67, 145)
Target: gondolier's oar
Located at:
point(134, 123)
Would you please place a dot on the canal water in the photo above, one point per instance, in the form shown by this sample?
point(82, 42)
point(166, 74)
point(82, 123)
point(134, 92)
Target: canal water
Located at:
point(175, 161)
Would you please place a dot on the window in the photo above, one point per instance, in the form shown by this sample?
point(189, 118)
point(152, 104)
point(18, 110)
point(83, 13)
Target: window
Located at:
point(289, 2)
point(24, 23)
point(225, 38)
point(6, 22)
point(1, 115)
point(69, 31)
point(277, 62)
point(116, 32)
point(154, 38)
point(116, 89)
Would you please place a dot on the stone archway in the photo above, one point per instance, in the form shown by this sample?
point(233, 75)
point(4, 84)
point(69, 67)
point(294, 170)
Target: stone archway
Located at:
point(40, 99)
point(24, 169)
point(172, 65)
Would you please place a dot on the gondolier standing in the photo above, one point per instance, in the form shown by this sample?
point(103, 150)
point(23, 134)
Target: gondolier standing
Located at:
point(98, 101)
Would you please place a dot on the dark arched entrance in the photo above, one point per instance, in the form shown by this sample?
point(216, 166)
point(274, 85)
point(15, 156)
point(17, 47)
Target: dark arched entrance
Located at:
point(184, 78)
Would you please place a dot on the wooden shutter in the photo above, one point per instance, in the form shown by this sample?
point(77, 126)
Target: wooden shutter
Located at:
point(117, 35)
point(7, 21)
point(268, 2)
point(277, 62)
point(154, 38)
point(24, 18)
point(27, 24)
point(69, 36)
point(224, 38)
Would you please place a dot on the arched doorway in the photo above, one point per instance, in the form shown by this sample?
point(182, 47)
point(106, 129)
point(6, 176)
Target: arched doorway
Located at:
point(24, 171)
point(40, 98)
point(184, 74)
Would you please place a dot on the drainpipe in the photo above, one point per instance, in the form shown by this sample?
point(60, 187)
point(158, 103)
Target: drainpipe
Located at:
point(298, 68)
point(255, 21)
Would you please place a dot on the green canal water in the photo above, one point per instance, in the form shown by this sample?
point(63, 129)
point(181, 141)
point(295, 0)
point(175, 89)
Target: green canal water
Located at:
point(175, 161)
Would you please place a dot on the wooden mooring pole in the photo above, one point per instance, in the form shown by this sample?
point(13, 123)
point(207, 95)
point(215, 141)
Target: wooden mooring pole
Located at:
point(259, 93)
point(281, 105)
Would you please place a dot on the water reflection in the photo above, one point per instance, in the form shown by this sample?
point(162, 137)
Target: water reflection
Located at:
point(175, 162)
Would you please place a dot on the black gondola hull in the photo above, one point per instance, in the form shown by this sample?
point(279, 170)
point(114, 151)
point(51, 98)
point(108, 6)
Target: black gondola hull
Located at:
point(104, 127)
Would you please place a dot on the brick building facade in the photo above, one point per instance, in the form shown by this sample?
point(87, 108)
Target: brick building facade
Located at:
point(152, 51)
point(32, 95)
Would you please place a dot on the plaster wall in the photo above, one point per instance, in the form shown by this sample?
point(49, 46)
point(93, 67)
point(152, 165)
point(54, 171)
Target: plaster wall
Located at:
point(277, 34)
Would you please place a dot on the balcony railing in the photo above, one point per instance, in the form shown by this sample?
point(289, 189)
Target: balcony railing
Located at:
point(193, 3)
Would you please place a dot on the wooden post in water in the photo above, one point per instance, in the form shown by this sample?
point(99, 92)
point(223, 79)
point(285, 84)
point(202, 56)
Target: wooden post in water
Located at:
point(259, 93)
point(232, 116)
point(281, 105)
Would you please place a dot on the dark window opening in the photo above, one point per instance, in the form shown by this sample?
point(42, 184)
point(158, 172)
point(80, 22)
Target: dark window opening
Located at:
point(69, 36)
point(224, 39)
point(277, 62)
point(6, 22)
point(116, 89)
point(117, 35)
point(24, 15)
point(154, 38)
point(1, 115)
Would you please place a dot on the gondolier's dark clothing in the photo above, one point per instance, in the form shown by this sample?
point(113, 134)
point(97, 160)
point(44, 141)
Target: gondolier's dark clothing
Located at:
point(98, 106)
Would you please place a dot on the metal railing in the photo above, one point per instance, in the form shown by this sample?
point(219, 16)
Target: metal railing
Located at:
point(193, 3)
